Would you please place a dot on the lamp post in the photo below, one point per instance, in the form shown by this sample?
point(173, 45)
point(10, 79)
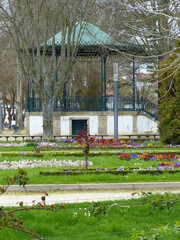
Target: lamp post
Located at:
point(115, 67)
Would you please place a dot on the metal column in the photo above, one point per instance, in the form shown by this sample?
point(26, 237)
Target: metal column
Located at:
point(134, 86)
point(56, 82)
point(28, 103)
point(1, 117)
point(105, 83)
point(64, 96)
point(33, 99)
point(102, 92)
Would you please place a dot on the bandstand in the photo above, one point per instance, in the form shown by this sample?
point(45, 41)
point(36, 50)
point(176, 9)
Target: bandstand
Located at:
point(71, 114)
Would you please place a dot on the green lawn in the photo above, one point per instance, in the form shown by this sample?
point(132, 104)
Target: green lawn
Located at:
point(35, 178)
point(109, 160)
point(102, 161)
point(74, 222)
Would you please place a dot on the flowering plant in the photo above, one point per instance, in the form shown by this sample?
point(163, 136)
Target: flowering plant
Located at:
point(41, 163)
point(149, 156)
point(85, 141)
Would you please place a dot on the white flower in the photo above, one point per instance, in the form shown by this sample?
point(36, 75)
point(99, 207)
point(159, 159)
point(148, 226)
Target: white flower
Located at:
point(75, 214)
point(40, 163)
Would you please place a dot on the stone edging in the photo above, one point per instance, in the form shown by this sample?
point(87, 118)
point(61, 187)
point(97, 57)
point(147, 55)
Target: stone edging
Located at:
point(100, 186)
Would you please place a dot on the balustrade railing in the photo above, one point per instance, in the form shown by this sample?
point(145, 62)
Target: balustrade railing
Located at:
point(77, 104)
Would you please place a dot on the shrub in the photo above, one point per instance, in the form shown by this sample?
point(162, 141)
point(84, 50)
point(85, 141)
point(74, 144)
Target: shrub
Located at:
point(169, 108)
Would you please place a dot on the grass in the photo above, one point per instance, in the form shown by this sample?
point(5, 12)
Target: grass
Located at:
point(78, 152)
point(118, 224)
point(71, 223)
point(35, 178)
point(101, 161)
point(98, 162)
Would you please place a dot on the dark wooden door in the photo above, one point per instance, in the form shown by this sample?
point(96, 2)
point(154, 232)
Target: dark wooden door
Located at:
point(78, 126)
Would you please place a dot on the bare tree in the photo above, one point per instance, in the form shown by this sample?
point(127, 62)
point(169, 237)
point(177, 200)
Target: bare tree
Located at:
point(7, 77)
point(46, 63)
point(155, 24)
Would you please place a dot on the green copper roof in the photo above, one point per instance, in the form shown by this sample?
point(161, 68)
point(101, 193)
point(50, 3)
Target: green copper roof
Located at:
point(92, 40)
point(89, 35)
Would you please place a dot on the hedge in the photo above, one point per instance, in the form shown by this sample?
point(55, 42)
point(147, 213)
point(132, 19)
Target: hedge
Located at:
point(113, 172)
point(80, 153)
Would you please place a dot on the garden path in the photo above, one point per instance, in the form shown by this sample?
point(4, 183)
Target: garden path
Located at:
point(12, 199)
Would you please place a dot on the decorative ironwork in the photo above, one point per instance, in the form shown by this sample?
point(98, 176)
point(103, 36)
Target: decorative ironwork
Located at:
point(81, 104)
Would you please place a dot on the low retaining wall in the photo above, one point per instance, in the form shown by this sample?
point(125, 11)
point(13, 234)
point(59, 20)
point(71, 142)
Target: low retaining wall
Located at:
point(100, 123)
point(100, 186)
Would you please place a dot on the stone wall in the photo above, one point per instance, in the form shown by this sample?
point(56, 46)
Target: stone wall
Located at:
point(101, 123)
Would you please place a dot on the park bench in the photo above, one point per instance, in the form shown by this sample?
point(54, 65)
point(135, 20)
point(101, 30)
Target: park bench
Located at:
point(99, 136)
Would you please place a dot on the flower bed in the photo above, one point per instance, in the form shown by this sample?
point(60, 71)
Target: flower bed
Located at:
point(171, 160)
point(168, 164)
point(100, 143)
point(41, 163)
point(149, 156)
point(21, 144)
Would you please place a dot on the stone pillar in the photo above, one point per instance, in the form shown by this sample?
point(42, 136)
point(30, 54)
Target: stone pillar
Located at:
point(102, 125)
point(135, 130)
point(27, 124)
point(56, 125)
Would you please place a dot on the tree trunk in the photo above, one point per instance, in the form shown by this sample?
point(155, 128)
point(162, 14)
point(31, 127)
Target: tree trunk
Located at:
point(19, 97)
point(19, 115)
point(48, 106)
point(4, 114)
point(10, 120)
point(86, 161)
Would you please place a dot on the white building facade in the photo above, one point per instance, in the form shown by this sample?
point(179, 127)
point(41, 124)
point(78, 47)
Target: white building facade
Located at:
point(100, 123)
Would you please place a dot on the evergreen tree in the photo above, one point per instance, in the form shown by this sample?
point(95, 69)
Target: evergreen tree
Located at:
point(169, 108)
